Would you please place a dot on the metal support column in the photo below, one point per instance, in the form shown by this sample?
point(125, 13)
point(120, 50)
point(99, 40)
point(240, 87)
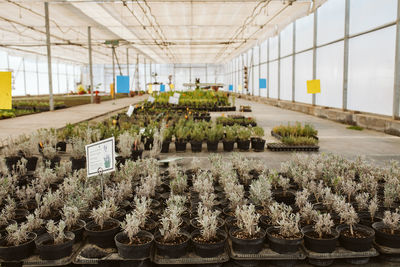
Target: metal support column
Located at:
point(137, 73)
point(145, 75)
point(91, 63)
point(174, 78)
point(46, 11)
point(314, 70)
point(396, 89)
point(58, 77)
point(294, 63)
point(151, 73)
point(23, 69)
point(279, 66)
point(259, 68)
point(190, 73)
point(252, 71)
point(37, 75)
point(346, 54)
point(113, 71)
point(206, 74)
point(127, 61)
point(268, 68)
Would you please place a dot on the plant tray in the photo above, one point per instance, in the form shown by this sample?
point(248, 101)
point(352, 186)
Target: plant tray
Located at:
point(283, 147)
point(35, 260)
point(340, 253)
point(245, 109)
point(191, 258)
point(266, 254)
point(277, 136)
point(386, 250)
point(111, 255)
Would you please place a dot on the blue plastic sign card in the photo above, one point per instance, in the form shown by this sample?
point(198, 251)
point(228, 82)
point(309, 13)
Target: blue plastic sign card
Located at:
point(122, 84)
point(231, 87)
point(162, 88)
point(100, 157)
point(263, 83)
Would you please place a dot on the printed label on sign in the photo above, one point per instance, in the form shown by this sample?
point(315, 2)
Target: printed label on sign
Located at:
point(100, 157)
point(130, 110)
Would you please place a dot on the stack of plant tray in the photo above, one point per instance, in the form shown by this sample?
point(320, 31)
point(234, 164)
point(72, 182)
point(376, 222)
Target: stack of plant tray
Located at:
point(245, 108)
point(351, 257)
point(388, 254)
point(35, 260)
point(191, 258)
point(284, 147)
point(267, 254)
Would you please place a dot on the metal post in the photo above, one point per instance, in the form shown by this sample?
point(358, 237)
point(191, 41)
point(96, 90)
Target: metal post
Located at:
point(58, 76)
point(137, 73)
point(314, 70)
point(113, 71)
point(23, 66)
point(66, 75)
point(91, 63)
point(37, 75)
point(206, 74)
point(174, 78)
point(145, 75)
point(268, 68)
point(279, 66)
point(346, 54)
point(127, 61)
point(252, 71)
point(294, 63)
point(396, 90)
point(259, 68)
point(46, 11)
point(190, 74)
point(151, 74)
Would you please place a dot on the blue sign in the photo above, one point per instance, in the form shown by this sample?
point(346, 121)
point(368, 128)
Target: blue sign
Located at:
point(263, 83)
point(122, 84)
point(162, 88)
point(231, 87)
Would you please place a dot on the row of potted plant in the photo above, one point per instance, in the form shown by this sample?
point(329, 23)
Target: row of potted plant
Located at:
point(231, 120)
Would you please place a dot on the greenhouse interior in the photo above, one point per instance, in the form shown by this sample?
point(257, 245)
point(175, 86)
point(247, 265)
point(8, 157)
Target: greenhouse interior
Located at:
point(216, 133)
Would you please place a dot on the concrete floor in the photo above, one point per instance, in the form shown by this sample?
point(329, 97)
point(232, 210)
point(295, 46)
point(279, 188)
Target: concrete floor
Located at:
point(377, 147)
point(59, 118)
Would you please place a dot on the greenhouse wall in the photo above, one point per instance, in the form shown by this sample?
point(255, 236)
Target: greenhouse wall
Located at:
point(287, 60)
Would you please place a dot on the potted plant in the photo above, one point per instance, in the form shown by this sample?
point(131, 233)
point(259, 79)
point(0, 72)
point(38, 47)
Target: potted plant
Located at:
point(49, 152)
point(28, 148)
point(103, 228)
point(56, 244)
point(19, 243)
point(11, 153)
point(286, 236)
point(197, 136)
point(247, 238)
point(243, 134)
point(208, 241)
point(213, 136)
point(321, 238)
point(257, 142)
point(181, 135)
point(167, 137)
point(387, 232)
point(229, 138)
point(71, 215)
point(132, 242)
point(78, 153)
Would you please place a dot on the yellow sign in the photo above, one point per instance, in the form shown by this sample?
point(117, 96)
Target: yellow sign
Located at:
point(5, 90)
point(239, 87)
point(150, 86)
point(171, 86)
point(112, 90)
point(313, 86)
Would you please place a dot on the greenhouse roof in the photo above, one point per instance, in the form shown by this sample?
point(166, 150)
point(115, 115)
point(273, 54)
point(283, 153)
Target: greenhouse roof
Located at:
point(171, 31)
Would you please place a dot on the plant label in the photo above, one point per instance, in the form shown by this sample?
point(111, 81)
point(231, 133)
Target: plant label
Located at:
point(150, 99)
point(177, 95)
point(173, 100)
point(141, 131)
point(100, 157)
point(130, 110)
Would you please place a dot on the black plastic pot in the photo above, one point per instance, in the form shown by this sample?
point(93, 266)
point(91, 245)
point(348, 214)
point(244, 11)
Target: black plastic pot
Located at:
point(136, 154)
point(324, 245)
point(212, 146)
point(228, 145)
point(11, 162)
point(31, 164)
point(78, 231)
point(180, 146)
point(102, 238)
point(205, 250)
point(61, 146)
point(288, 197)
point(247, 246)
point(133, 251)
point(165, 146)
point(148, 144)
point(120, 161)
point(356, 244)
point(196, 146)
point(49, 251)
point(385, 239)
point(243, 145)
point(78, 164)
point(281, 245)
point(20, 215)
point(16, 253)
point(258, 144)
point(172, 251)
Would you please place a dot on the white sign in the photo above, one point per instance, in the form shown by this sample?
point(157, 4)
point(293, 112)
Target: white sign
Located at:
point(141, 131)
point(173, 100)
point(100, 157)
point(150, 99)
point(177, 95)
point(130, 110)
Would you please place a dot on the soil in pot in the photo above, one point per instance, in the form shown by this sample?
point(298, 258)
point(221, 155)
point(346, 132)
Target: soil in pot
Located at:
point(209, 248)
point(180, 146)
point(103, 238)
point(281, 244)
point(360, 241)
point(287, 197)
point(385, 237)
point(245, 244)
point(78, 164)
point(228, 145)
point(243, 145)
point(20, 215)
point(312, 241)
point(50, 251)
point(173, 249)
point(140, 247)
point(16, 253)
point(212, 146)
point(196, 146)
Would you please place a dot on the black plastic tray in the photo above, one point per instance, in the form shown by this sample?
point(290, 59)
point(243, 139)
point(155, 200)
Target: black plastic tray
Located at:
point(283, 147)
point(341, 253)
point(266, 254)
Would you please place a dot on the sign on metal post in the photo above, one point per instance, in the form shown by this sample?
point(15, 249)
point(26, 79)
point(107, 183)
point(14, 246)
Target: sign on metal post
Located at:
point(100, 156)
